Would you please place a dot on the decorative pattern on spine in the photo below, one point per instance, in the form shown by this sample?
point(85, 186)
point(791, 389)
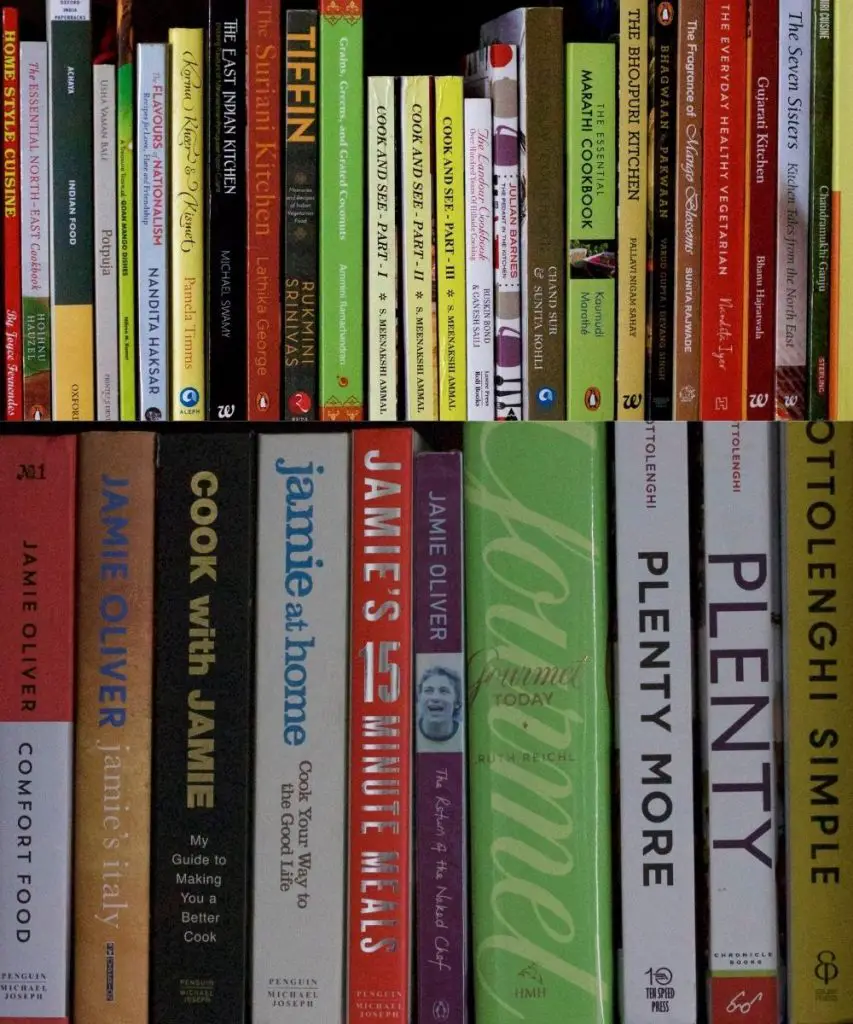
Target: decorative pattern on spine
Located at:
point(13, 334)
point(107, 390)
point(127, 356)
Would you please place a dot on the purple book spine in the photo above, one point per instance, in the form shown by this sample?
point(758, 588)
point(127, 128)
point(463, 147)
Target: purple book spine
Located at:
point(440, 823)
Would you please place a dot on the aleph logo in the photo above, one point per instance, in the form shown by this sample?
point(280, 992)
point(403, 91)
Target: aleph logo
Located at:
point(189, 398)
point(546, 397)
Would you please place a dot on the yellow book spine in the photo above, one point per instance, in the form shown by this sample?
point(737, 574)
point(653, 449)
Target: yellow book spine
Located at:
point(418, 300)
point(818, 461)
point(73, 366)
point(633, 208)
point(841, 287)
point(187, 220)
point(450, 242)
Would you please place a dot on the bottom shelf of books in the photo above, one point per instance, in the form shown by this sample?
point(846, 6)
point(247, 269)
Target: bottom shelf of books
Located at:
point(326, 726)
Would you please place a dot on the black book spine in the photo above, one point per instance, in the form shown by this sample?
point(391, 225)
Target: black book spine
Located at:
point(664, 75)
point(202, 729)
point(226, 225)
point(299, 69)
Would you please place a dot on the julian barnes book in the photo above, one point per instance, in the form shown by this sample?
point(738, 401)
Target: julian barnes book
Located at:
point(125, 112)
point(12, 338)
point(107, 391)
point(301, 677)
point(301, 140)
point(202, 722)
point(226, 210)
point(112, 814)
point(539, 721)
point(37, 542)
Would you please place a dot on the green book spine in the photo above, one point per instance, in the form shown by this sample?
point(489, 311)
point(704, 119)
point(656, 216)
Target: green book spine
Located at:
point(126, 268)
point(591, 230)
point(820, 214)
point(539, 721)
point(341, 209)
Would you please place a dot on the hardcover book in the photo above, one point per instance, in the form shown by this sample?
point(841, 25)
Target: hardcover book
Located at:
point(841, 284)
point(112, 815)
point(202, 725)
point(107, 391)
point(539, 721)
point(37, 541)
point(12, 317)
point(124, 72)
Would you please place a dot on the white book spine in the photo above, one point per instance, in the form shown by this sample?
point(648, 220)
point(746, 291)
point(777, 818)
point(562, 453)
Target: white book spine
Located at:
point(106, 242)
point(152, 185)
point(382, 247)
point(740, 690)
point(299, 910)
point(655, 724)
point(479, 258)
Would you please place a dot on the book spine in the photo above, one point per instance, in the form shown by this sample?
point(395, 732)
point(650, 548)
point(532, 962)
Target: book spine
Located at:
point(300, 734)
point(381, 705)
point(792, 232)
point(35, 231)
point(186, 221)
point(37, 484)
point(763, 184)
point(112, 816)
point(382, 247)
point(202, 722)
point(841, 282)
point(441, 838)
point(341, 220)
point(227, 280)
point(13, 334)
point(450, 247)
point(300, 216)
point(263, 171)
point(688, 208)
point(740, 674)
point(724, 197)
point(820, 209)
point(538, 696)
point(107, 388)
point(479, 259)
point(72, 252)
point(591, 230)
point(153, 229)
point(655, 724)
point(127, 354)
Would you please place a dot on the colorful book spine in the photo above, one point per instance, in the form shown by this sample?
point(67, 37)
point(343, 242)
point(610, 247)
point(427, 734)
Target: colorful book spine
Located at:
point(763, 185)
point(13, 317)
point(112, 813)
point(152, 232)
point(740, 688)
point(263, 170)
point(128, 359)
point(186, 221)
point(591, 230)
point(841, 262)
point(655, 705)
point(450, 247)
point(72, 252)
point(201, 728)
point(539, 722)
point(724, 200)
point(818, 612)
point(107, 389)
point(820, 209)
point(301, 666)
point(687, 324)
point(301, 141)
point(380, 716)
point(792, 231)
point(538, 34)
point(227, 282)
point(441, 837)
point(341, 195)
point(479, 259)
point(382, 248)
point(35, 231)
point(37, 511)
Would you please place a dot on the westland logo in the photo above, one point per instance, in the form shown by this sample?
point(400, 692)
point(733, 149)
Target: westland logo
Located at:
point(189, 398)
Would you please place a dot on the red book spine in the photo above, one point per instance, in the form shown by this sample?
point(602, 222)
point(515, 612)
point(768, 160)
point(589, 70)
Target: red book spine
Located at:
point(13, 342)
point(380, 797)
point(764, 161)
point(724, 211)
point(37, 544)
point(263, 163)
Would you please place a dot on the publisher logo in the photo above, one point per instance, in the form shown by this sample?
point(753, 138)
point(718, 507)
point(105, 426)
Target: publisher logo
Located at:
point(592, 399)
point(826, 969)
point(441, 1010)
point(299, 404)
point(262, 401)
point(189, 398)
point(152, 415)
point(546, 397)
point(666, 15)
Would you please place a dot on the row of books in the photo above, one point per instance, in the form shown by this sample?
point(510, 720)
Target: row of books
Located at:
point(255, 691)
